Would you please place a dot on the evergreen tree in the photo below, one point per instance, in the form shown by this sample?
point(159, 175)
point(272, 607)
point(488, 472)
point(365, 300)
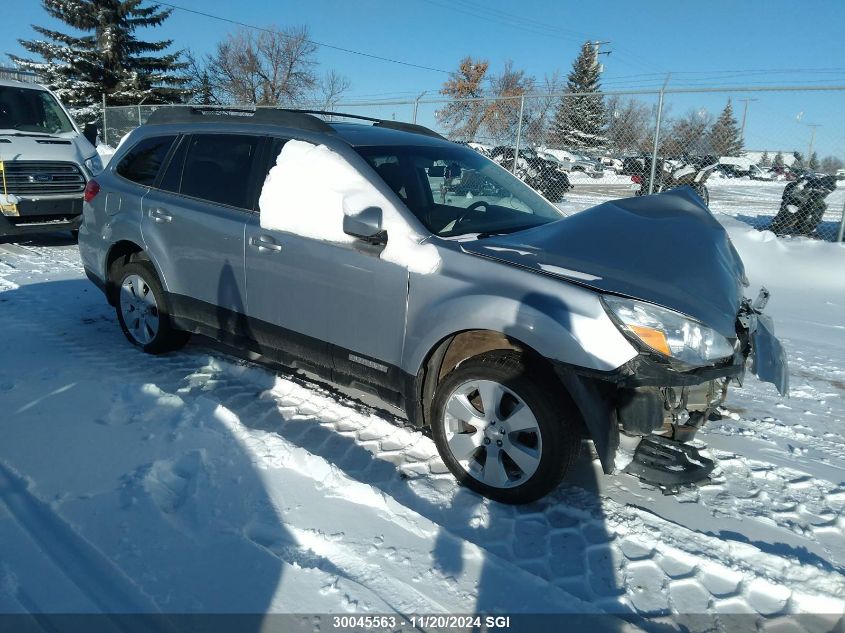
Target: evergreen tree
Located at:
point(778, 163)
point(581, 119)
point(725, 138)
point(765, 160)
point(107, 59)
point(814, 163)
point(798, 163)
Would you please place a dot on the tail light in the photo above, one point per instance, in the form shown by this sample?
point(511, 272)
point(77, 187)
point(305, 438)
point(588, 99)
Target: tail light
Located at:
point(91, 190)
point(636, 178)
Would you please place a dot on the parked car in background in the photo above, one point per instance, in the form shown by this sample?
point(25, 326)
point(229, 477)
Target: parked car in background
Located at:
point(756, 173)
point(542, 174)
point(507, 328)
point(590, 166)
point(840, 174)
point(47, 161)
point(611, 164)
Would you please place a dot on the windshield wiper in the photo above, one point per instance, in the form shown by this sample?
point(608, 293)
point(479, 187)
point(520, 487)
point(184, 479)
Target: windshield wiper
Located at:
point(18, 133)
point(507, 231)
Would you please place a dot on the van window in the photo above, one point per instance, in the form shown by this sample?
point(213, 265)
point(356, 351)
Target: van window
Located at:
point(142, 162)
point(29, 110)
point(217, 168)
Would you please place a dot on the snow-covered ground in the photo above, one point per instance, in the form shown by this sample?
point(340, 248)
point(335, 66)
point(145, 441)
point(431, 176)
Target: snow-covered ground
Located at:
point(202, 482)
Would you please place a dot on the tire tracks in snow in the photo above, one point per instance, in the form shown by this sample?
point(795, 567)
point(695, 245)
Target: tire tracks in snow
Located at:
point(83, 564)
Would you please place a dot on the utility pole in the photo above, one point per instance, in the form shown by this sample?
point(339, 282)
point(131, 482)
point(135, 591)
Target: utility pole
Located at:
point(744, 115)
point(813, 126)
point(597, 46)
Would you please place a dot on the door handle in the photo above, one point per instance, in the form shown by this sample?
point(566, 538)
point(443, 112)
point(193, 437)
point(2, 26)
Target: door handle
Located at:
point(160, 215)
point(265, 243)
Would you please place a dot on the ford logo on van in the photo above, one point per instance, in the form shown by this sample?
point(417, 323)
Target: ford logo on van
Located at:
point(41, 178)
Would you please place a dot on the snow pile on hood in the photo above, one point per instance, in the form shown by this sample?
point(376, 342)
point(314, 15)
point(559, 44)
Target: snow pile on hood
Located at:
point(311, 188)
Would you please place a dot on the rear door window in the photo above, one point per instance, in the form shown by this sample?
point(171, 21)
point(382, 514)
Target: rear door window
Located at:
point(171, 179)
point(217, 168)
point(142, 163)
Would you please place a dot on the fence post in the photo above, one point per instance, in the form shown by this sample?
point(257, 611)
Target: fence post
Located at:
point(657, 137)
point(518, 133)
point(105, 124)
point(841, 225)
point(140, 123)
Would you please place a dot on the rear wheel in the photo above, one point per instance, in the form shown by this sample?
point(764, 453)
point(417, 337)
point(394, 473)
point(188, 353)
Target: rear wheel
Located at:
point(503, 428)
point(142, 310)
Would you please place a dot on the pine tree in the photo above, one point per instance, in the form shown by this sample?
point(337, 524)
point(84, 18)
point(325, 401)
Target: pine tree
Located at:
point(765, 160)
point(778, 164)
point(814, 163)
point(107, 59)
point(725, 138)
point(581, 119)
point(798, 163)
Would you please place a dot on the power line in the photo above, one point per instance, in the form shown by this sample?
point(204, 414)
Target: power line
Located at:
point(315, 42)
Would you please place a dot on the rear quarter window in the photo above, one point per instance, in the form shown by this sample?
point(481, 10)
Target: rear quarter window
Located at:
point(142, 163)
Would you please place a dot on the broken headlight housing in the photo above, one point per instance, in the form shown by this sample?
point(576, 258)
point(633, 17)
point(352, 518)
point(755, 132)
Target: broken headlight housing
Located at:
point(667, 332)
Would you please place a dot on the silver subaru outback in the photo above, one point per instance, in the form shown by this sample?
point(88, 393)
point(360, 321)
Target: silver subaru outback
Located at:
point(381, 256)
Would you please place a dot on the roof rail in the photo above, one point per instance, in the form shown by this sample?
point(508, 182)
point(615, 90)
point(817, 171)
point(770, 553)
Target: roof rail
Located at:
point(413, 128)
point(196, 114)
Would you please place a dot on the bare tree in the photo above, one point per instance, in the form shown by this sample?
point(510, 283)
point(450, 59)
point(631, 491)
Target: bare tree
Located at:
point(274, 66)
point(542, 108)
point(630, 125)
point(688, 134)
point(501, 116)
point(464, 114)
point(200, 86)
point(330, 89)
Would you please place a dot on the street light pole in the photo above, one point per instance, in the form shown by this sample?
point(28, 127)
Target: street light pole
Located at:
point(744, 115)
point(812, 126)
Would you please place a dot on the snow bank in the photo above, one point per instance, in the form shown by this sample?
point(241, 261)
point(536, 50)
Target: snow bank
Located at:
point(794, 263)
point(105, 152)
point(311, 188)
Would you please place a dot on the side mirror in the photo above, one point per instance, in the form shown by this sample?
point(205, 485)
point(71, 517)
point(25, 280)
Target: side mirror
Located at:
point(366, 226)
point(90, 133)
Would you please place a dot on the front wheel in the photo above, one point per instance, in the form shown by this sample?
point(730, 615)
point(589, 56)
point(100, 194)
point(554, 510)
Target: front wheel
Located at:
point(142, 310)
point(503, 428)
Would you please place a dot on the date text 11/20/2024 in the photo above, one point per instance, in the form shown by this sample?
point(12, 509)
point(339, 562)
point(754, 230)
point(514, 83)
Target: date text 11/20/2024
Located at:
point(355, 623)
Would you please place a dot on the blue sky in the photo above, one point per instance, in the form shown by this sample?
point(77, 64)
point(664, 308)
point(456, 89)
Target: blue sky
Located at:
point(697, 41)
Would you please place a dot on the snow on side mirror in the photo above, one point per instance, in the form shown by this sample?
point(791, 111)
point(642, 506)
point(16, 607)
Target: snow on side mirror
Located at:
point(366, 226)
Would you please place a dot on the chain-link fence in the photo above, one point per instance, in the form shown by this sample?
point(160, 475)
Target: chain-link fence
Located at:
point(773, 161)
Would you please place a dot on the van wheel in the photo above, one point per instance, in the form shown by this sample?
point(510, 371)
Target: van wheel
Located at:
point(504, 429)
point(143, 312)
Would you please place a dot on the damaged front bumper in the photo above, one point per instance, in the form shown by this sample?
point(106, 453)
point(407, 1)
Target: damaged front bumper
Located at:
point(652, 397)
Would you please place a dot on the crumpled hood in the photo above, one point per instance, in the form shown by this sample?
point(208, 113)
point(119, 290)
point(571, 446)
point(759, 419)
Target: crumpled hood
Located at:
point(66, 147)
point(666, 248)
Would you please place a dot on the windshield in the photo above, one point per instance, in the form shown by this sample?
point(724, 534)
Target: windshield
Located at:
point(27, 110)
point(454, 190)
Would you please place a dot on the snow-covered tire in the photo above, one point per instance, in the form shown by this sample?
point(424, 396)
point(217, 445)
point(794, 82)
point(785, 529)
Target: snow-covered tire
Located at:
point(143, 311)
point(532, 429)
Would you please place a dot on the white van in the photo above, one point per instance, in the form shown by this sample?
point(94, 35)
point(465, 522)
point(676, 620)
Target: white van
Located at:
point(46, 161)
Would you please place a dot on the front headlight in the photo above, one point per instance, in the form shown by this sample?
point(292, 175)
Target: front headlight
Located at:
point(94, 164)
point(668, 332)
